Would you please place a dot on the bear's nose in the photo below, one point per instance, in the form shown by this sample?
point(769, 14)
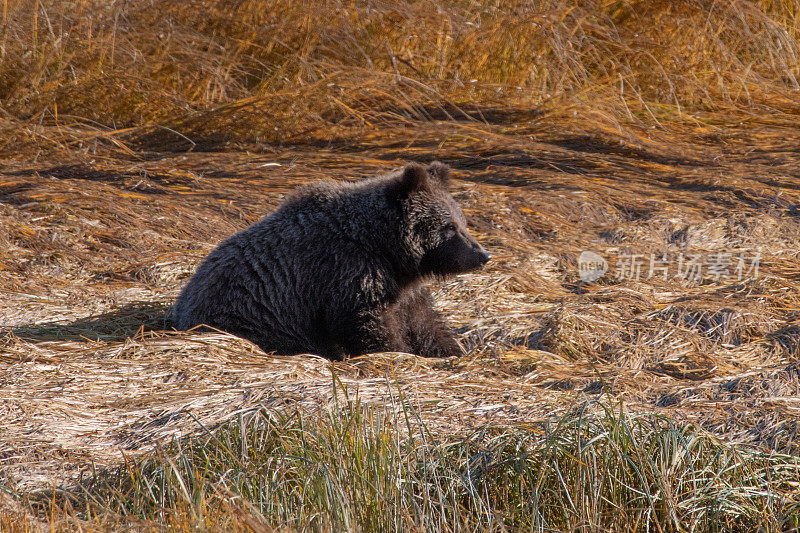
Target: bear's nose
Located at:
point(485, 256)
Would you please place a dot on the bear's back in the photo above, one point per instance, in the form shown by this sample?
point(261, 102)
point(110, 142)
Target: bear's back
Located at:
point(274, 280)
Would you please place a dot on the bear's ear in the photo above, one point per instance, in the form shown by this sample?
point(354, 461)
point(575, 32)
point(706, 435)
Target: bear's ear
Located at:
point(413, 178)
point(441, 172)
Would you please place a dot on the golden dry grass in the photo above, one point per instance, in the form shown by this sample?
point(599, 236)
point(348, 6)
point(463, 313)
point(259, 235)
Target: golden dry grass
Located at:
point(135, 138)
point(94, 254)
point(284, 71)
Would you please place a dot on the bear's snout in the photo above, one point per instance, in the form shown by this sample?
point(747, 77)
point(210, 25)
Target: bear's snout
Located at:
point(473, 256)
point(481, 255)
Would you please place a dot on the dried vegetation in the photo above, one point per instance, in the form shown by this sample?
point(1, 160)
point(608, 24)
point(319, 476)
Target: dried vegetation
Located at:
point(137, 135)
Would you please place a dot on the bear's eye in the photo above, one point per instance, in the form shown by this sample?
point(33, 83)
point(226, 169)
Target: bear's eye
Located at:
point(450, 228)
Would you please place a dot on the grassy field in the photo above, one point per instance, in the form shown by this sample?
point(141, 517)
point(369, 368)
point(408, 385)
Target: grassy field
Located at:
point(359, 469)
point(134, 136)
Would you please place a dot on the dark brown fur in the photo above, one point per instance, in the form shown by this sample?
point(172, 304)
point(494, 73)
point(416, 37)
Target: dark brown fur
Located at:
point(338, 269)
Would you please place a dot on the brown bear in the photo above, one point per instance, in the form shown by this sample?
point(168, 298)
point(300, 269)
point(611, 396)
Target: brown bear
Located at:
point(338, 269)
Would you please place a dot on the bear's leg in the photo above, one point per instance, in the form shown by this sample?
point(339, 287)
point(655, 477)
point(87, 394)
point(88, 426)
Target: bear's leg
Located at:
point(332, 351)
point(424, 328)
point(376, 331)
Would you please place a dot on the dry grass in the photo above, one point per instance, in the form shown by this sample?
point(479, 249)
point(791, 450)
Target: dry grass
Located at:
point(137, 136)
point(363, 468)
point(284, 71)
point(96, 252)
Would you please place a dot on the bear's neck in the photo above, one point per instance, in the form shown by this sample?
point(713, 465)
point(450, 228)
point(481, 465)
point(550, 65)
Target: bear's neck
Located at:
point(378, 231)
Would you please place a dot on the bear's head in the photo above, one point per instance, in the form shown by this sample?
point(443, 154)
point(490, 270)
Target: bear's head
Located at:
point(435, 232)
